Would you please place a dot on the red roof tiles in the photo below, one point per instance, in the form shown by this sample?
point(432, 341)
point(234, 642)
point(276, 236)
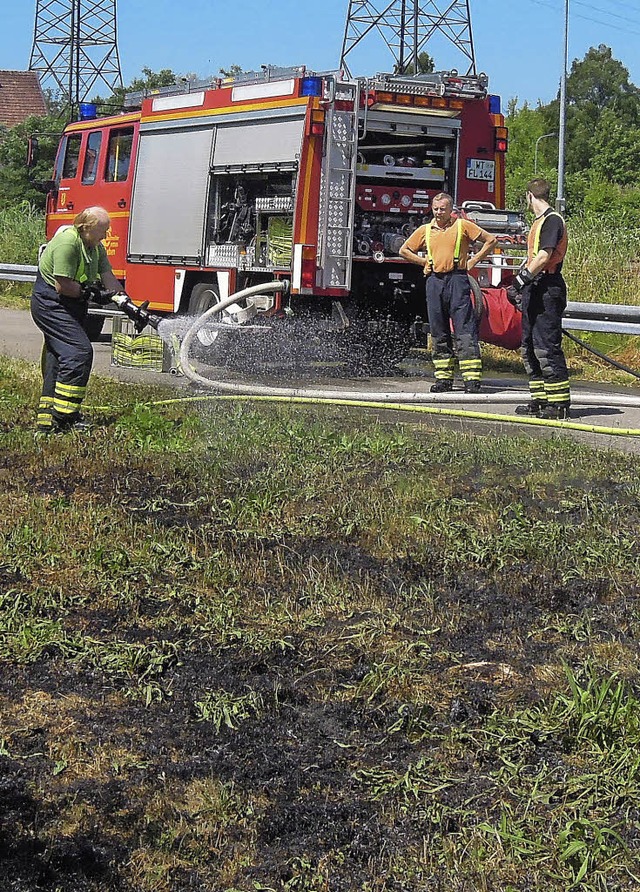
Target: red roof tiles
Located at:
point(20, 96)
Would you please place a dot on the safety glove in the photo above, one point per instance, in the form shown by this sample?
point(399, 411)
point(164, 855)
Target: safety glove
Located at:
point(93, 292)
point(522, 279)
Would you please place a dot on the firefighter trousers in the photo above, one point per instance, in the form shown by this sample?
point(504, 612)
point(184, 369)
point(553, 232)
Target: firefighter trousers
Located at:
point(543, 304)
point(449, 305)
point(67, 355)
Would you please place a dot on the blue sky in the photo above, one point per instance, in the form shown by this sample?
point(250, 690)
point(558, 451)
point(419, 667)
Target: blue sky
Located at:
point(518, 43)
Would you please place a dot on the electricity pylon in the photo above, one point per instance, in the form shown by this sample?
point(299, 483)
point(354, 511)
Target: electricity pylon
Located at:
point(406, 26)
point(75, 48)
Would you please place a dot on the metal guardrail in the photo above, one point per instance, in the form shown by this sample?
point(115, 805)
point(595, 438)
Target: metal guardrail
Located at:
point(13, 272)
point(610, 318)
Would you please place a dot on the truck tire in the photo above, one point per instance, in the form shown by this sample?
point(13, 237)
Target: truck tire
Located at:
point(204, 295)
point(93, 326)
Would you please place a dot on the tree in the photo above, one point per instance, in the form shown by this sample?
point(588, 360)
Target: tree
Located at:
point(17, 182)
point(426, 65)
point(231, 71)
point(602, 135)
point(147, 83)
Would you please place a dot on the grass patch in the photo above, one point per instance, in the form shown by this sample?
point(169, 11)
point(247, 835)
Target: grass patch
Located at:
point(298, 649)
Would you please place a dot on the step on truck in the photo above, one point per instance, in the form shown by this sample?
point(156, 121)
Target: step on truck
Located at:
point(316, 179)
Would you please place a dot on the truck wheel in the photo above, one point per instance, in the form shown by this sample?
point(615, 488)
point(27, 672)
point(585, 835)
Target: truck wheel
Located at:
point(93, 326)
point(203, 296)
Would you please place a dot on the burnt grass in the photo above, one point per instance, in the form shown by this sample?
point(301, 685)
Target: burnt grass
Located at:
point(268, 649)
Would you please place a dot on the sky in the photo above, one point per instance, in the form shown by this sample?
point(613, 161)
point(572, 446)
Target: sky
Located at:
point(518, 43)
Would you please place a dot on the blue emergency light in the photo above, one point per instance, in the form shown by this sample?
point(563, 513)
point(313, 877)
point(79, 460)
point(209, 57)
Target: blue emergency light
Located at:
point(88, 111)
point(311, 86)
point(494, 104)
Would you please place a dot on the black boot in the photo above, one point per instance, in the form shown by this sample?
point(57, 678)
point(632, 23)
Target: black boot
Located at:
point(534, 409)
point(557, 412)
point(442, 386)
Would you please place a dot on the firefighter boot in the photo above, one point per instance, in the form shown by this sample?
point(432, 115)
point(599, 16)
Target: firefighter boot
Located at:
point(537, 402)
point(472, 387)
point(75, 424)
point(534, 409)
point(557, 412)
point(442, 386)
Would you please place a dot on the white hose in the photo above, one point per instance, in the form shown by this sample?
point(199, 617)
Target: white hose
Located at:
point(511, 396)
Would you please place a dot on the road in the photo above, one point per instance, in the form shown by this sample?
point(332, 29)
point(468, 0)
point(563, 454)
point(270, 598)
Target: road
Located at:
point(20, 338)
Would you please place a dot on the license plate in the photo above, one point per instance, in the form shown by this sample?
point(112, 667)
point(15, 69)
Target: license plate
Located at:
point(481, 169)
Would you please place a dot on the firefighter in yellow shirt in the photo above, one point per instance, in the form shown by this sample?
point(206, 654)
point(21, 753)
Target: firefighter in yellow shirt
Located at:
point(445, 244)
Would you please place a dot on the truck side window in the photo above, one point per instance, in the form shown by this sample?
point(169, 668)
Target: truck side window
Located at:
point(71, 156)
point(119, 155)
point(90, 166)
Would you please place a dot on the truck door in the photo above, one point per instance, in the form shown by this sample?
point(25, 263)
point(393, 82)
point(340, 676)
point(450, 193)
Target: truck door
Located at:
point(113, 190)
point(66, 204)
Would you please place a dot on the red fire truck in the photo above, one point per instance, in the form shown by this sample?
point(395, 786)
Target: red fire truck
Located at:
point(287, 174)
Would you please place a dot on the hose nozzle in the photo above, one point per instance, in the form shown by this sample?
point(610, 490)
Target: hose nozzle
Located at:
point(139, 315)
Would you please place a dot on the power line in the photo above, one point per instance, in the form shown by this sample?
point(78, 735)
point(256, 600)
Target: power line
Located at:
point(625, 18)
point(590, 18)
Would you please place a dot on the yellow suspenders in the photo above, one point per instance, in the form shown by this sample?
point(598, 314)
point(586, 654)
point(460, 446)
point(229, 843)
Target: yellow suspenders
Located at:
point(456, 250)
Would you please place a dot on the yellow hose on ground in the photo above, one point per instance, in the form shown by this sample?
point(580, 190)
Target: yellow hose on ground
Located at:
point(397, 407)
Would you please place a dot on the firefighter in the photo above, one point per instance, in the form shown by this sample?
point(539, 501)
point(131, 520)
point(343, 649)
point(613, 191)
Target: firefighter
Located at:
point(446, 241)
point(539, 290)
point(68, 273)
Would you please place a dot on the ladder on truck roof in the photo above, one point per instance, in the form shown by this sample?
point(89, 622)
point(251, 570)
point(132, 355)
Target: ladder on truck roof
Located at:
point(338, 187)
point(437, 83)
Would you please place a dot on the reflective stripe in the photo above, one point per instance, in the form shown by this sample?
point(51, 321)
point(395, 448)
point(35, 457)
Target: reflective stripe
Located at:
point(456, 250)
point(70, 390)
point(471, 369)
point(60, 405)
point(536, 389)
point(444, 368)
point(557, 391)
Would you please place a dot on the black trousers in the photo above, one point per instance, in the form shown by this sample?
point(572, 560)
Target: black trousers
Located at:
point(67, 354)
point(449, 303)
point(543, 304)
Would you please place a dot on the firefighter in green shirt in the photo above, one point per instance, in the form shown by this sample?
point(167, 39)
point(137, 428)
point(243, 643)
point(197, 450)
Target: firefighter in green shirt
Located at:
point(73, 268)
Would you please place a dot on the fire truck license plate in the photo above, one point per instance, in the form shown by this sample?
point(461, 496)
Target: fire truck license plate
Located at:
point(480, 169)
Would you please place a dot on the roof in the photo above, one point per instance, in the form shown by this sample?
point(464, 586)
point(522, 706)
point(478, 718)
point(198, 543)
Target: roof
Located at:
point(20, 97)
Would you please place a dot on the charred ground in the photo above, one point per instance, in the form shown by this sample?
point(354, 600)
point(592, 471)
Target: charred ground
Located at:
point(282, 650)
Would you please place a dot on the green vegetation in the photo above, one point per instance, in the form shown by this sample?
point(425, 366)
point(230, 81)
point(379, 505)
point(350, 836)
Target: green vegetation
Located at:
point(602, 172)
point(21, 233)
point(271, 648)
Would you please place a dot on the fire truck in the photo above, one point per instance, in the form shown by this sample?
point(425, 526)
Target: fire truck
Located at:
point(316, 179)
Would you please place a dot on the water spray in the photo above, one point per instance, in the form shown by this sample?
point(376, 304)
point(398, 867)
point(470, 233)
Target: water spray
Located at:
point(362, 397)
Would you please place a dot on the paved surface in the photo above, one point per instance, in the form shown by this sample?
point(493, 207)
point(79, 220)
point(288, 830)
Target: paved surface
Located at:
point(20, 338)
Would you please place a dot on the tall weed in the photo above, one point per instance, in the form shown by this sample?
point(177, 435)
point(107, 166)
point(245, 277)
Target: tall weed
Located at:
point(21, 233)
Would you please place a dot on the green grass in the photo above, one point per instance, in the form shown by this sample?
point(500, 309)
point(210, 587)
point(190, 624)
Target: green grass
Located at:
point(299, 649)
point(21, 233)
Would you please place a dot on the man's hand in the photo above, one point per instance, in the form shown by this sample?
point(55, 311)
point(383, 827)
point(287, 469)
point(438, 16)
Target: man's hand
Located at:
point(93, 292)
point(521, 280)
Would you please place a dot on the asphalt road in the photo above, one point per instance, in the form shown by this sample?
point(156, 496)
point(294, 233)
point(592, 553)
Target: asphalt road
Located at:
point(20, 338)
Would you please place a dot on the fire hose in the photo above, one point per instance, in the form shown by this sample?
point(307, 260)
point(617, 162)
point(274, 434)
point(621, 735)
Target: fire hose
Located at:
point(407, 402)
point(381, 400)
